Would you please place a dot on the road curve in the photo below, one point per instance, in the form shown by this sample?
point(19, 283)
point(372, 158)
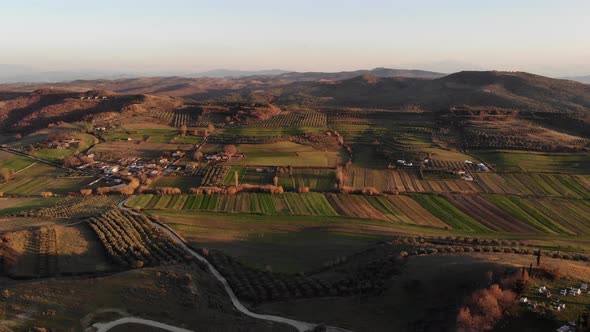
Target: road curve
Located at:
point(299, 325)
point(104, 327)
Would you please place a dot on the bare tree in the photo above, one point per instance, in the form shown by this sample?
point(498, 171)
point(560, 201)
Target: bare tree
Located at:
point(230, 150)
point(6, 174)
point(198, 155)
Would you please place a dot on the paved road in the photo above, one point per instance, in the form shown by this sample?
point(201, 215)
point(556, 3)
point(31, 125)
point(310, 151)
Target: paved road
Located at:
point(104, 327)
point(299, 325)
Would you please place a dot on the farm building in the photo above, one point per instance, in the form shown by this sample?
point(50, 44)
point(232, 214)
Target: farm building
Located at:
point(111, 169)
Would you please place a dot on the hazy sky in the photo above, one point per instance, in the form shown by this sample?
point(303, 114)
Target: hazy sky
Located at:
point(548, 37)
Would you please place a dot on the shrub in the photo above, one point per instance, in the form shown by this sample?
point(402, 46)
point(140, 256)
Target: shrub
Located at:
point(46, 194)
point(85, 192)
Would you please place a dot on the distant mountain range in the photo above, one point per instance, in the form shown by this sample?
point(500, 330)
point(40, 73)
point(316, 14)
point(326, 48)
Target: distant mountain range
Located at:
point(582, 79)
point(22, 74)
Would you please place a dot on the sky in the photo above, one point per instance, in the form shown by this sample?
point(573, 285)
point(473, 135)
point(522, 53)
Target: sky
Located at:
point(547, 37)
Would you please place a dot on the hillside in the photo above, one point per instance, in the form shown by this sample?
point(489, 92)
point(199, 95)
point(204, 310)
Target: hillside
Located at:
point(25, 112)
point(521, 91)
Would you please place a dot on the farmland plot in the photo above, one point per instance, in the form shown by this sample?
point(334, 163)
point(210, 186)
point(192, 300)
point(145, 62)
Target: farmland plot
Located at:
point(445, 211)
point(316, 179)
point(409, 181)
point(490, 215)
point(541, 184)
point(36, 179)
point(532, 212)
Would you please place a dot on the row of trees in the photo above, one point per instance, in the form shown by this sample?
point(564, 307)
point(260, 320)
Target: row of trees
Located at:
point(132, 241)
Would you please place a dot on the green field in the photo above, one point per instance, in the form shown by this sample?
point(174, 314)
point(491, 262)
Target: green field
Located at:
point(317, 179)
point(291, 244)
point(541, 184)
point(502, 160)
point(184, 183)
point(277, 131)
point(284, 154)
point(14, 162)
point(42, 177)
point(10, 206)
point(448, 213)
point(54, 154)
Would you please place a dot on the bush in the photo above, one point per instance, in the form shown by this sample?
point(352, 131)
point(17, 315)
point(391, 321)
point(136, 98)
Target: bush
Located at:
point(85, 192)
point(46, 194)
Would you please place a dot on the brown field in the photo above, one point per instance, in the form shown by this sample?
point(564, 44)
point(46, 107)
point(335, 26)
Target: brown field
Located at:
point(415, 212)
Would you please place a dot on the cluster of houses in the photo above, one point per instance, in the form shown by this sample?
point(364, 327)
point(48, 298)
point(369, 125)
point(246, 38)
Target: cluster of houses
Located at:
point(570, 327)
point(555, 302)
point(403, 162)
point(574, 291)
point(136, 167)
point(92, 97)
point(223, 157)
point(63, 144)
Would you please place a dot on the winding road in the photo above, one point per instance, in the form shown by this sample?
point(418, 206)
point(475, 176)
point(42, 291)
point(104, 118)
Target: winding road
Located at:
point(299, 325)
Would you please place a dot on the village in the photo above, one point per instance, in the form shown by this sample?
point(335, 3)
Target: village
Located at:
point(549, 301)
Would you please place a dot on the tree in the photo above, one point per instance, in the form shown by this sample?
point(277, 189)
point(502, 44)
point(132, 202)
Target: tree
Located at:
point(183, 130)
point(198, 155)
point(230, 150)
point(275, 181)
point(210, 129)
point(6, 174)
point(72, 161)
point(236, 178)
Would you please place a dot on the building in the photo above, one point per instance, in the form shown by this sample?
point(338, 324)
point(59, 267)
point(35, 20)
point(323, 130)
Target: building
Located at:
point(111, 169)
